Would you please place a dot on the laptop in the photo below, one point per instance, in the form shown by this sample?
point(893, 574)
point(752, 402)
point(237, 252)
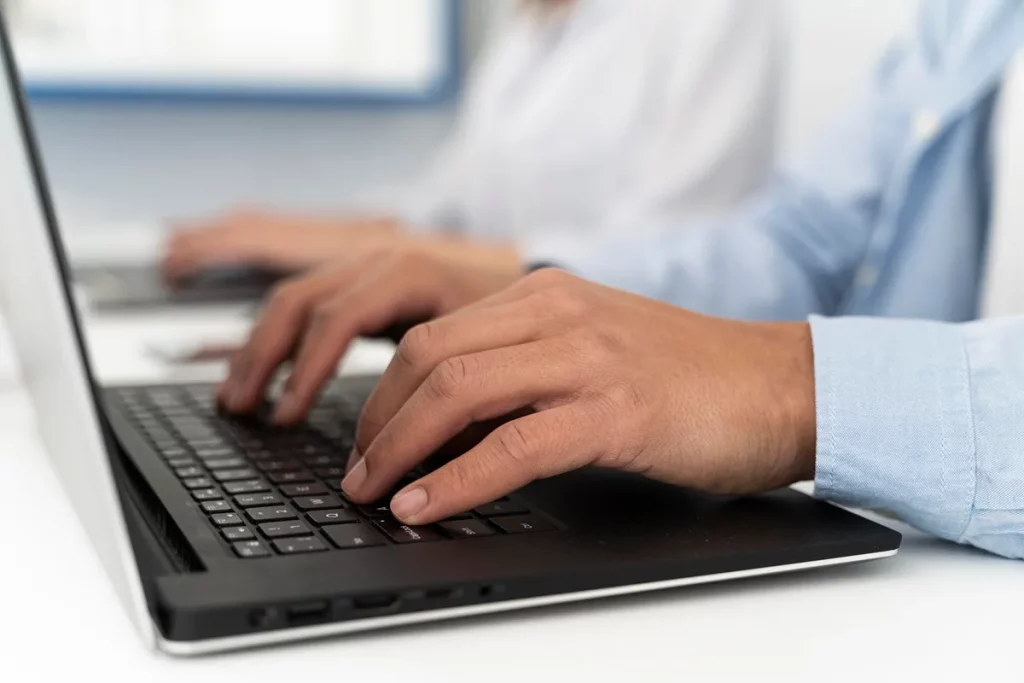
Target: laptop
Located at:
point(128, 287)
point(221, 534)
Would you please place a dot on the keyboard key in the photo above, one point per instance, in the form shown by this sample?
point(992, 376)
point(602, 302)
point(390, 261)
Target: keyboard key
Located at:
point(226, 519)
point(291, 477)
point(458, 518)
point(312, 449)
point(255, 500)
point(332, 473)
point(318, 503)
point(207, 444)
point(501, 507)
point(347, 536)
point(234, 475)
point(196, 433)
point(225, 463)
point(470, 528)
point(294, 490)
point(198, 483)
point(251, 549)
point(181, 462)
point(379, 509)
point(269, 514)
point(324, 461)
point(279, 465)
point(523, 524)
point(189, 472)
point(237, 533)
point(282, 529)
point(261, 454)
point(295, 546)
point(206, 494)
point(325, 517)
point(213, 506)
point(171, 453)
point(247, 486)
point(402, 533)
point(220, 452)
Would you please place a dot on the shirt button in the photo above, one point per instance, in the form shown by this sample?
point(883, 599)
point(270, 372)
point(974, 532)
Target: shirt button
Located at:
point(926, 125)
point(867, 276)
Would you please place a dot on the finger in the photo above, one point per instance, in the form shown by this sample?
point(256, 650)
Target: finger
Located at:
point(463, 391)
point(534, 447)
point(193, 253)
point(274, 336)
point(427, 345)
point(389, 295)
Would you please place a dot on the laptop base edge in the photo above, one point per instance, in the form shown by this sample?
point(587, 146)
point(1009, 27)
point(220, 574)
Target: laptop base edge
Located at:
point(318, 632)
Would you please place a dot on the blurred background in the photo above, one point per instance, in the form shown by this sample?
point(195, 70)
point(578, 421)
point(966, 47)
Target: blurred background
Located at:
point(150, 109)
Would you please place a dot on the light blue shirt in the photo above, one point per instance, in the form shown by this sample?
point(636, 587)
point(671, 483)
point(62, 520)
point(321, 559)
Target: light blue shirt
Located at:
point(888, 218)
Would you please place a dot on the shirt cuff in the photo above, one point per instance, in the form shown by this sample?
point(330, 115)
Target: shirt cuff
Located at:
point(895, 423)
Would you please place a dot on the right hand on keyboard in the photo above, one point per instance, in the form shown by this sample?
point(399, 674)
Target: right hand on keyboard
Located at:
point(314, 318)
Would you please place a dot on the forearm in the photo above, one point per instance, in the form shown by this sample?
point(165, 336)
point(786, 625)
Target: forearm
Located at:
point(786, 254)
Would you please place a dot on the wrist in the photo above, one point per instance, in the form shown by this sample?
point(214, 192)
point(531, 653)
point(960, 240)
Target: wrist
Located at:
point(797, 415)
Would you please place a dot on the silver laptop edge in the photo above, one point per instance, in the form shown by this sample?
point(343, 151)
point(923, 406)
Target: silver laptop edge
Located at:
point(327, 630)
point(44, 328)
point(34, 295)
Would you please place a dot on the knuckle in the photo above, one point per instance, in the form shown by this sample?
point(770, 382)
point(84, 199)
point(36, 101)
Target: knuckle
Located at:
point(449, 379)
point(284, 295)
point(592, 346)
point(323, 315)
point(411, 260)
point(415, 348)
point(563, 301)
point(460, 478)
point(625, 396)
point(547, 277)
point(514, 443)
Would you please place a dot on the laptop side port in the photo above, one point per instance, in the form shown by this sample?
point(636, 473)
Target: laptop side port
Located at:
point(378, 602)
point(440, 594)
point(308, 613)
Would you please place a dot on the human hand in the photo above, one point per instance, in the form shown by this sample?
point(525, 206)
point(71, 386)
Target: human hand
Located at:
point(270, 240)
point(314, 318)
point(606, 379)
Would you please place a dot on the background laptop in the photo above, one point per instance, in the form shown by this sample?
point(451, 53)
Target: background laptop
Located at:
point(226, 534)
point(124, 287)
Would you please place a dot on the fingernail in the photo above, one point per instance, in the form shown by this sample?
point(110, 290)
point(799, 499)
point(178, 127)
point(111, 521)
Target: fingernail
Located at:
point(355, 479)
point(287, 409)
point(408, 504)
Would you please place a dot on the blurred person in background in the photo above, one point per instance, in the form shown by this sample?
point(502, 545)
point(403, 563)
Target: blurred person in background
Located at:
point(585, 117)
point(897, 213)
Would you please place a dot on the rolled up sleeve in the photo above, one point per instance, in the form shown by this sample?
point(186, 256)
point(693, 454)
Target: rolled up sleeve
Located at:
point(924, 420)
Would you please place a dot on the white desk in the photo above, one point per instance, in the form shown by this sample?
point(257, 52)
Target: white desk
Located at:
point(934, 613)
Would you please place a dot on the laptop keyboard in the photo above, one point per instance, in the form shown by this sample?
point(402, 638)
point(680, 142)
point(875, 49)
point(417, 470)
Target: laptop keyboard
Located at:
point(268, 491)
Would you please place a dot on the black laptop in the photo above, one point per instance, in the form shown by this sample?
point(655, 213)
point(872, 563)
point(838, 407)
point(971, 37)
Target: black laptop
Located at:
point(220, 533)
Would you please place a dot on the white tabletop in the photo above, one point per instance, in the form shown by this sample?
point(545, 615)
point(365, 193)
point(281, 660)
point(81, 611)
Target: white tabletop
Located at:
point(936, 612)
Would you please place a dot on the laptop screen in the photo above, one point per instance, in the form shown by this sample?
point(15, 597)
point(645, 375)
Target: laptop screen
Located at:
point(37, 303)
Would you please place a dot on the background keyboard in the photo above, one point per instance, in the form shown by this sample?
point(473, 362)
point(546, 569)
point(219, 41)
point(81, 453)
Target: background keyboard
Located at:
point(269, 491)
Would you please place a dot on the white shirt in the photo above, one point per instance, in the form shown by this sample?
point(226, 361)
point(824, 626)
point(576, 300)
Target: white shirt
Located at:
point(616, 116)
point(1003, 292)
